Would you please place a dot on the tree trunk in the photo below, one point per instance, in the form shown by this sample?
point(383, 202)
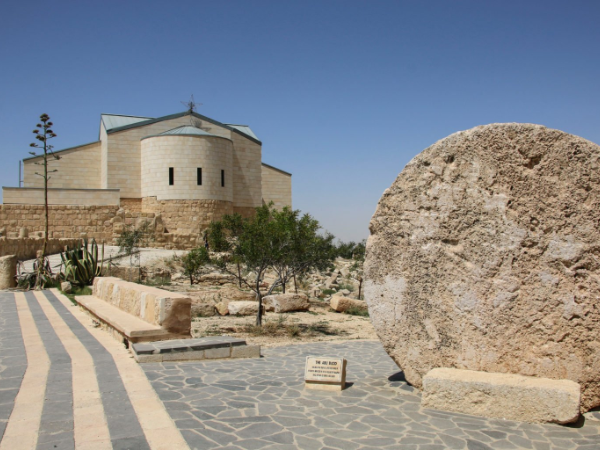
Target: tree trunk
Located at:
point(360, 281)
point(239, 275)
point(295, 284)
point(40, 269)
point(259, 312)
point(283, 287)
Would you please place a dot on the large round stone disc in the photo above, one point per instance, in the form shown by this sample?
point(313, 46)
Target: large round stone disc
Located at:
point(485, 255)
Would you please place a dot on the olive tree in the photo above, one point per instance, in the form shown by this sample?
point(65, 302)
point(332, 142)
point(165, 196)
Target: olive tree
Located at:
point(276, 240)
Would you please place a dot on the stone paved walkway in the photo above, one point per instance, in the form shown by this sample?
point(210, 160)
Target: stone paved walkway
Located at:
point(65, 384)
point(261, 404)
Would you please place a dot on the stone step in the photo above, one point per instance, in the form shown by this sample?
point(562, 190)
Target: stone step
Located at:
point(214, 347)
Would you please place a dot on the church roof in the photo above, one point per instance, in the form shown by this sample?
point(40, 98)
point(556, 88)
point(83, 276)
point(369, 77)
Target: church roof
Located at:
point(244, 129)
point(116, 120)
point(185, 130)
point(120, 123)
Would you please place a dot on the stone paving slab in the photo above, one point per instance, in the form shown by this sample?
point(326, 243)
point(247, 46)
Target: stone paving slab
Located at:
point(216, 347)
point(182, 345)
point(262, 404)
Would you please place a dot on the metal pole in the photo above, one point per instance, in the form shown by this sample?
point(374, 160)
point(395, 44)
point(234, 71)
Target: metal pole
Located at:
point(19, 173)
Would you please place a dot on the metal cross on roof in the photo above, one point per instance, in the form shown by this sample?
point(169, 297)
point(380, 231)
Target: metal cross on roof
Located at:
point(191, 104)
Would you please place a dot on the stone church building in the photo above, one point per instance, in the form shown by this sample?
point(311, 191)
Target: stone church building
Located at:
point(179, 171)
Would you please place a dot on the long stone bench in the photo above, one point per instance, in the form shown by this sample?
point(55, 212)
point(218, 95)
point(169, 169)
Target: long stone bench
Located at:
point(136, 312)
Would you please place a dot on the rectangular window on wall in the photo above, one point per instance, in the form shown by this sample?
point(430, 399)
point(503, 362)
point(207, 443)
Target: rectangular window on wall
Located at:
point(171, 176)
point(222, 178)
point(199, 176)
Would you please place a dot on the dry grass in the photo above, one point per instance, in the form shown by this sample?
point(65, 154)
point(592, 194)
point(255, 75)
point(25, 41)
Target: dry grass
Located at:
point(281, 327)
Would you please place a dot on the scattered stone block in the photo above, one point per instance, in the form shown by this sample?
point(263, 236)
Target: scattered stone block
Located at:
point(332, 279)
point(342, 304)
point(282, 303)
point(8, 271)
point(501, 395)
point(66, 287)
point(243, 308)
point(222, 307)
point(203, 310)
point(317, 293)
point(216, 278)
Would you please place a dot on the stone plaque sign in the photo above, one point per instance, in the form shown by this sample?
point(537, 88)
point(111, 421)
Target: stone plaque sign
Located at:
point(325, 373)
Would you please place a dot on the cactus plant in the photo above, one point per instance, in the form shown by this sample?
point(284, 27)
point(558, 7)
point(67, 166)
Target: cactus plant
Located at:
point(81, 264)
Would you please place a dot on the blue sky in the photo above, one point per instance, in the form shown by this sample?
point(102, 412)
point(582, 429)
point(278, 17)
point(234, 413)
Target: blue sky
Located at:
point(342, 93)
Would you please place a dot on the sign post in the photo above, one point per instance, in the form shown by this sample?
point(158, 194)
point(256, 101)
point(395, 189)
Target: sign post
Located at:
point(324, 373)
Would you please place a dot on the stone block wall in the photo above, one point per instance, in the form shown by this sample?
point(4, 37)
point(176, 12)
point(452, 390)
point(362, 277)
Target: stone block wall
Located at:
point(246, 172)
point(77, 168)
point(276, 186)
point(65, 221)
point(27, 248)
point(186, 216)
point(59, 196)
point(185, 154)
point(132, 204)
point(121, 154)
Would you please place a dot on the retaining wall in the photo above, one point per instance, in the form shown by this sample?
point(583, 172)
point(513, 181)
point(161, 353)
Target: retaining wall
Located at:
point(27, 248)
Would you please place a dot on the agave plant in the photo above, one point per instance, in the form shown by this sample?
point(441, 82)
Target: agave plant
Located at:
point(81, 264)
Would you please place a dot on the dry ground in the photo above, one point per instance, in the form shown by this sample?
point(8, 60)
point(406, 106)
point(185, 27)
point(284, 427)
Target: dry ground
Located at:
point(319, 324)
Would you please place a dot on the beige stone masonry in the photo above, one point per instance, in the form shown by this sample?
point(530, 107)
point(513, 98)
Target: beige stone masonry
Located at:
point(187, 216)
point(247, 173)
point(78, 167)
point(185, 154)
point(342, 304)
point(66, 221)
point(121, 153)
point(61, 196)
point(501, 395)
point(121, 324)
point(276, 187)
point(8, 271)
point(27, 248)
point(169, 310)
point(281, 303)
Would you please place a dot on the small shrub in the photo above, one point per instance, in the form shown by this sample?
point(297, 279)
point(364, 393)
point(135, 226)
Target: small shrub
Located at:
point(321, 327)
point(349, 287)
point(328, 291)
point(194, 261)
point(356, 311)
point(77, 290)
point(293, 330)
